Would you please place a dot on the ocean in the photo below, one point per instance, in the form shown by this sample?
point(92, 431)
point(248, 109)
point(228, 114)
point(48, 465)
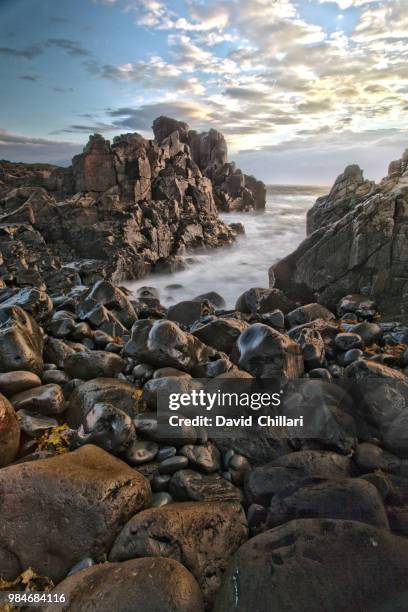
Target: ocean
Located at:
point(269, 236)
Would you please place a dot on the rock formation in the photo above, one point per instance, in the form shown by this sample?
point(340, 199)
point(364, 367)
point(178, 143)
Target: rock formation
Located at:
point(357, 243)
point(121, 209)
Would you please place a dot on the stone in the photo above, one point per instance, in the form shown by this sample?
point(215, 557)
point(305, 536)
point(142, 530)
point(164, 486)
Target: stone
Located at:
point(9, 432)
point(93, 364)
point(348, 341)
point(32, 300)
point(268, 571)
point(77, 501)
point(141, 451)
point(164, 344)
point(202, 457)
point(215, 299)
point(47, 400)
point(157, 389)
point(57, 377)
point(266, 353)
point(148, 426)
point(12, 383)
point(261, 301)
point(369, 457)
point(343, 499)
point(187, 312)
point(34, 425)
point(201, 535)
point(173, 464)
point(369, 332)
point(130, 585)
point(119, 393)
point(108, 427)
point(21, 341)
point(187, 485)
point(161, 499)
point(312, 346)
point(263, 482)
point(307, 314)
point(221, 334)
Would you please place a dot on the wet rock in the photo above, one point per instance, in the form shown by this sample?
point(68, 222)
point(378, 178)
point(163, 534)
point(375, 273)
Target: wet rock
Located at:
point(31, 299)
point(86, 497)
point(93, 364)
point(34, 424)
point(158, 390)
point(354, 303)
point(312, 346)
point(162, 372)
point(141, 451)
point(57, 377)
point(238, 466)
point(276, 318)
point(161, 499)
point(261, 301)
point(130, 585)
point(203, 536)
point(369, 457)
point(12, 383)
point(114, 299)
point(9, 432)
point(186, 485)
point(307, 314)
point(160, 482)
point(345, 499)
point(267, 572)
point(164, 344)
point(173, 464)
point(56, 351)
point(147, 425)
point(47, 400)
point(215, 299)
point(348, 341)
point(187, 312)
point(369, 332)
point(364, 369)
point(21, 341)
point(202, 457)
point(221, 334)
point(263, 482)
point(119, 393)
point(166, 452)
point(108, 427)
point(266, 353)
point(350, 356)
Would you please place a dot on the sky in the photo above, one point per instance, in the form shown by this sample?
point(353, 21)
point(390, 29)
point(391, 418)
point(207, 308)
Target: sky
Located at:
point(300, 88)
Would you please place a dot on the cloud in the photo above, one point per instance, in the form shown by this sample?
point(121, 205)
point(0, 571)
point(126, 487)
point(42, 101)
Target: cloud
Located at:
point(27, 53)
point(29, 77)
point(15, 147)
point(71, 47)
point(141, 118)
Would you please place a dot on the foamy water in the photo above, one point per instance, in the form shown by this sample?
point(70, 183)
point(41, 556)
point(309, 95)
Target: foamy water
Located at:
point(230, 271)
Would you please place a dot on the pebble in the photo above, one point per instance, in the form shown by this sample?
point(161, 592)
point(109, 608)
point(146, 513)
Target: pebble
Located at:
point(173, 464)
point(321, 373)
point(160, 482)
point(166, 452)
point(347, 341)
point(350, 356)
point(33, 424)
point(161, 499)
point(141, 451)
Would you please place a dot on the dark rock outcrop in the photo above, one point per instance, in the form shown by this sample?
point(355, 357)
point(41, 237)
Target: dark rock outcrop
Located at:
point(357, 243)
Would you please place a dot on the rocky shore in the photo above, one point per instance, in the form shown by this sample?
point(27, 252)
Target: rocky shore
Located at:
point(97, 505)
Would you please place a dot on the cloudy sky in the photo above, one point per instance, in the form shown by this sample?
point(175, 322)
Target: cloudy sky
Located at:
point(300, 88)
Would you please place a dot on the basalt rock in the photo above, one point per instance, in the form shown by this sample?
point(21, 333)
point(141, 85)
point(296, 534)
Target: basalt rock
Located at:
point(357, 244)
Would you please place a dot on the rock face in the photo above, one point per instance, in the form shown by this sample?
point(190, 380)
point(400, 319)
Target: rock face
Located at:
point(317, 564)
point(69, 507)
point(151, 585)
point(357, 243)
point(121, 209)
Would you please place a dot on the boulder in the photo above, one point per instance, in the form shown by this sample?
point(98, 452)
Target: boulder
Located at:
point(200, 535)
point(93, 364)
point(307, 314)
point(348, 499)
point(47, 400)
point(187, 312)
point(259, 300)
point(187, 485)
point(9, 432)
point(119, 393)
point(266, 353)
point(21, 341)
point(108, 427)
point(12, 383)
point(70, 506)
point(151, 585)
point(221, 334)
point(163, 343)
point(312, 564)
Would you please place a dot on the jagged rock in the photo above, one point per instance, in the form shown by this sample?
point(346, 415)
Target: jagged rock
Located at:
point(311, 562)
point(187, 485)
point(202, 536)
point(34, 301)
point(9, 432)
point(358, 246)
point(151, 585)
point(21, 341)
point(70, 506)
